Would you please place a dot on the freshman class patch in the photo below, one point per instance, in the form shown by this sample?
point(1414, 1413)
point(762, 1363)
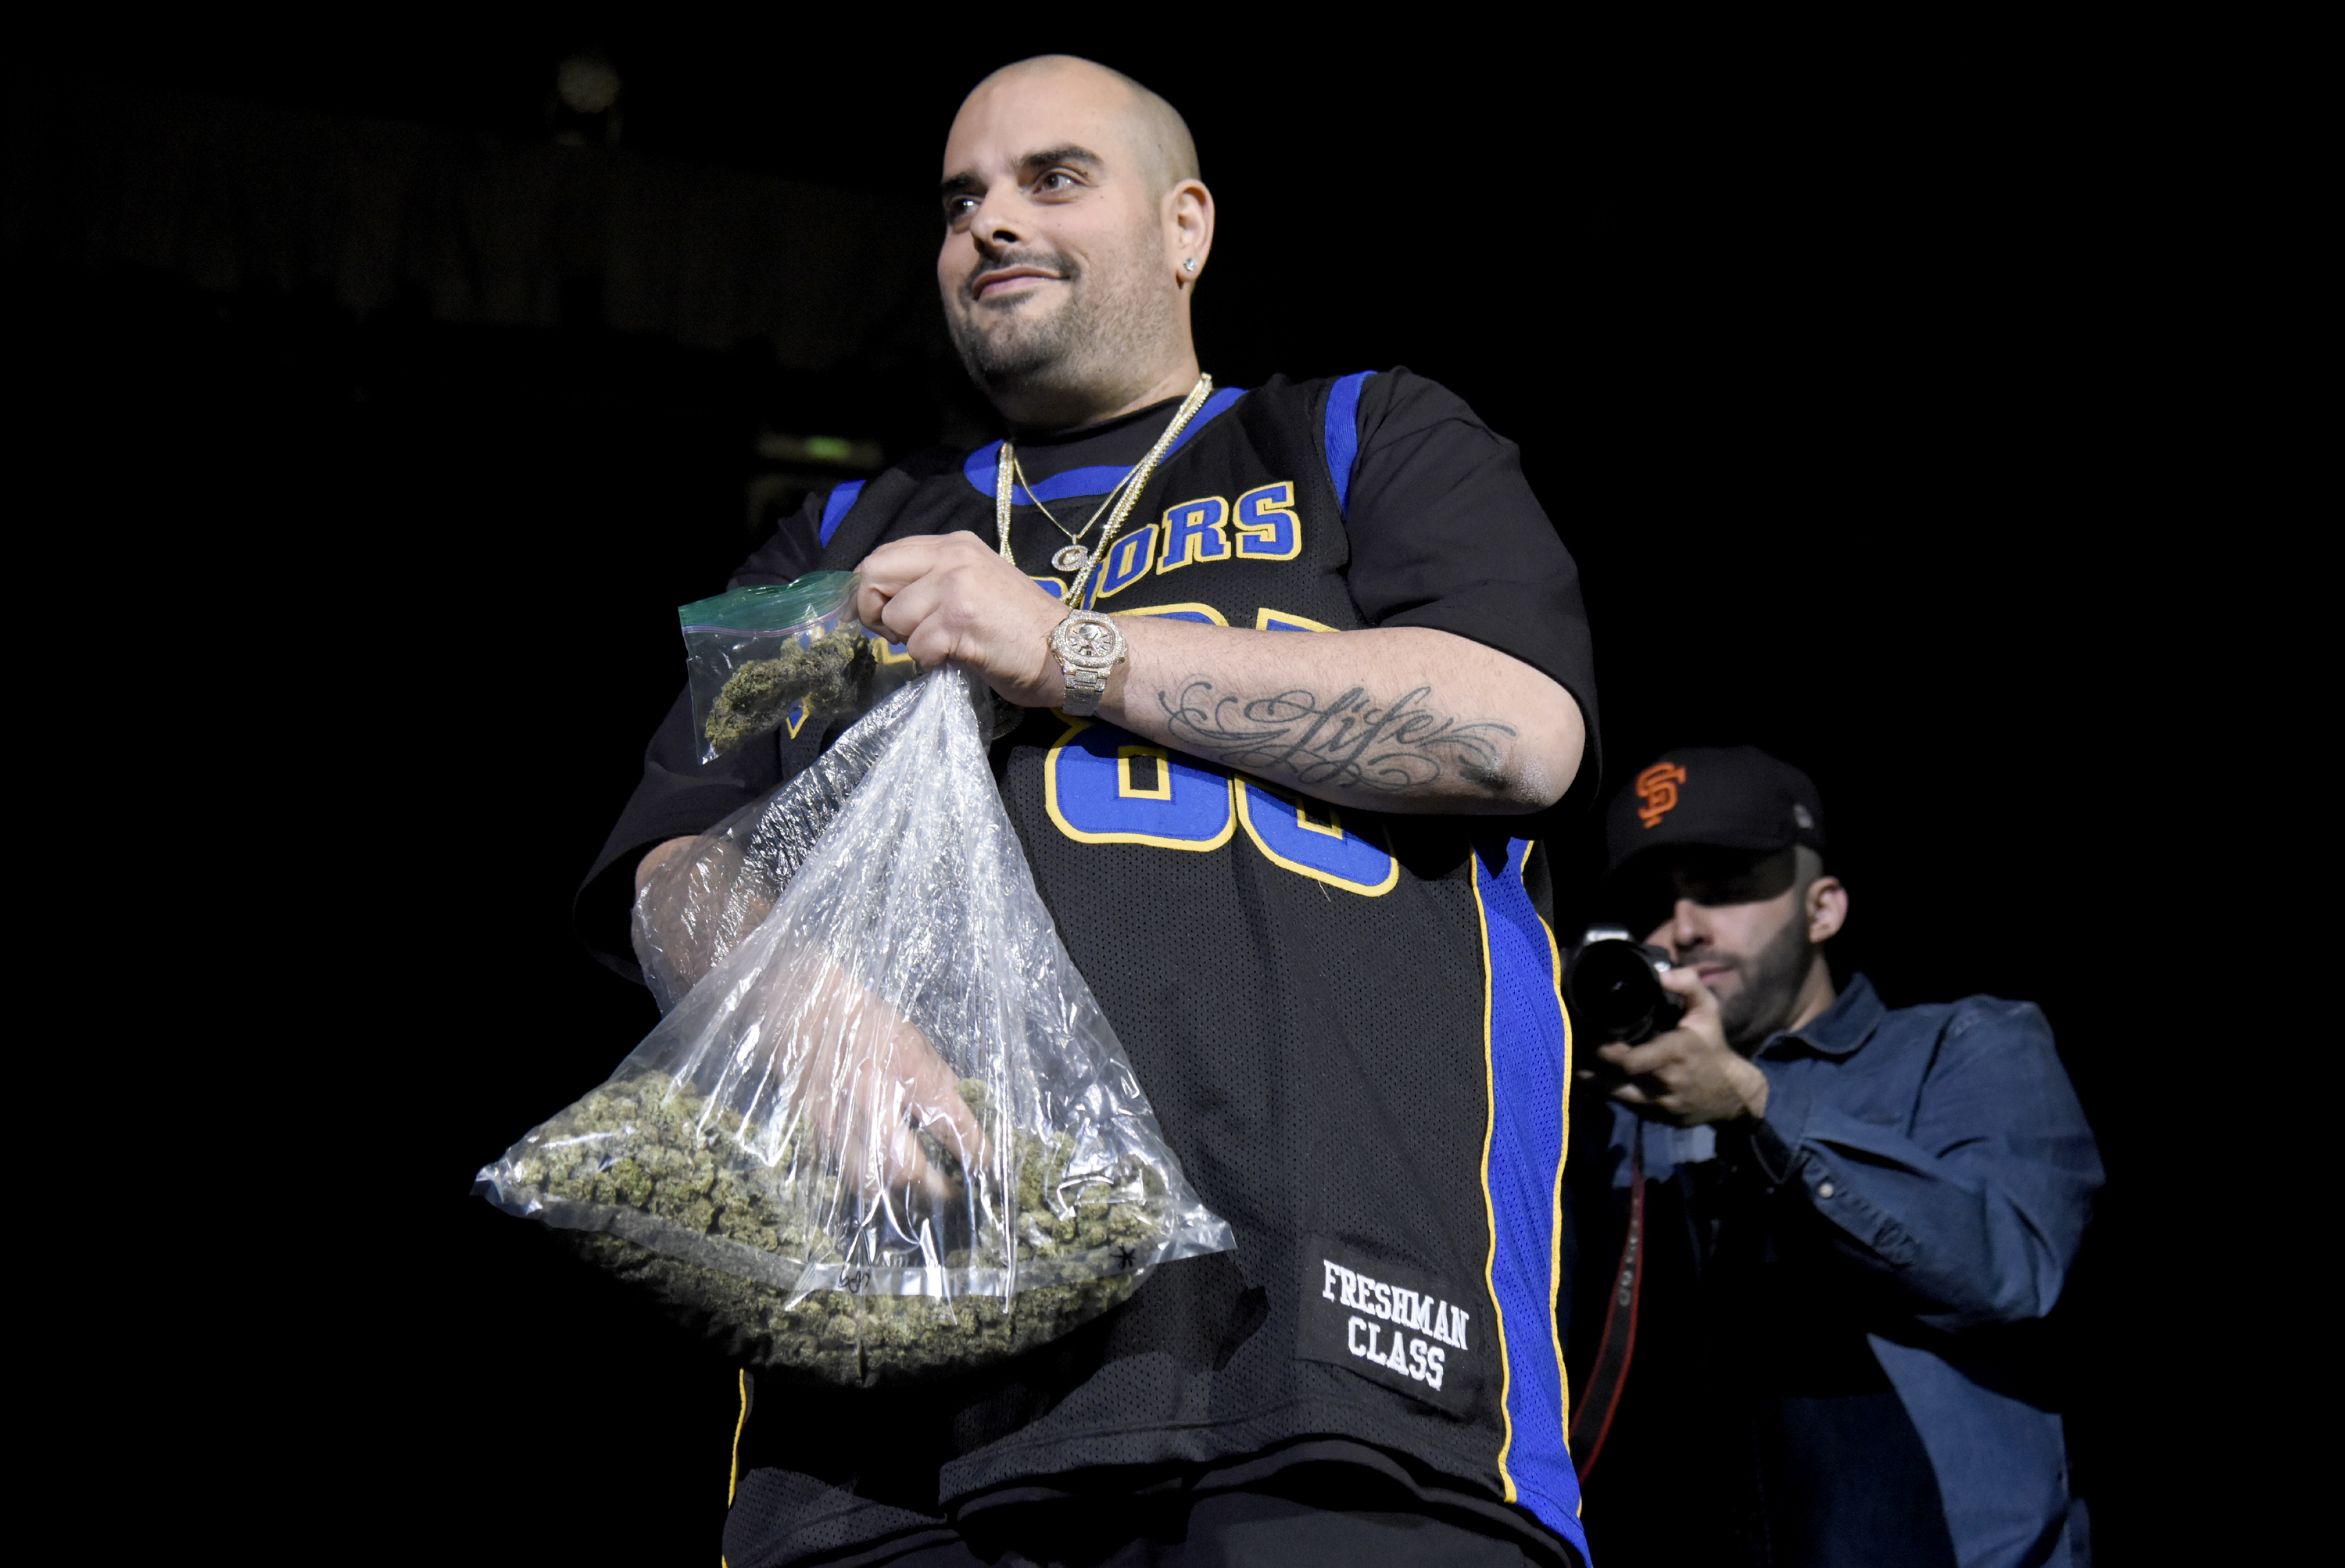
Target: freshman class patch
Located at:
point(1391, 1324)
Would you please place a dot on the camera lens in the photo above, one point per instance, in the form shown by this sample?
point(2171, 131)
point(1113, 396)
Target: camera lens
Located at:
point(1616, 991)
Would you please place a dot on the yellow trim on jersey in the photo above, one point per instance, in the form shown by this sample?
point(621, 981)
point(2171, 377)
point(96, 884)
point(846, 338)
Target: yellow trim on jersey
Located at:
point(1239, 785)
point(1051, 802)
point(1208, 611)
point(733, 1482)
point(880, 650)
point(1287, 623)
point(1123, 784)
point(1055, 586)
point(1334, 828)
point(796, 724)
point(1490, 1205)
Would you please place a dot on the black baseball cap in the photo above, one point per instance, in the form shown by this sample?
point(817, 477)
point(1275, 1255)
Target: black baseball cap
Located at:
point(1724, 797)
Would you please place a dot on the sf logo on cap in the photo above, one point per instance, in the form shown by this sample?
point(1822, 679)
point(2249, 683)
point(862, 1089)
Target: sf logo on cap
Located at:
point(1659, 786)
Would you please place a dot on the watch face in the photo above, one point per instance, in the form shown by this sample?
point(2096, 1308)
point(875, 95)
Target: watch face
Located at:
point(1089, 641)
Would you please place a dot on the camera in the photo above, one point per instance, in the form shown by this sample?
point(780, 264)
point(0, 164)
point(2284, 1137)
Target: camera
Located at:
point(1614, 985)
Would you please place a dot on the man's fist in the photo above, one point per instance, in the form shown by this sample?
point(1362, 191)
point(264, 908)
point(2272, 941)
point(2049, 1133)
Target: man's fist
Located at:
point(949, 597)
point(1690, 1076)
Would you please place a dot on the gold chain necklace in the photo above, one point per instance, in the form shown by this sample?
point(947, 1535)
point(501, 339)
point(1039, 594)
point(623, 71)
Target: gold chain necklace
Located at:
point(1134, 483)
point(1074, 554)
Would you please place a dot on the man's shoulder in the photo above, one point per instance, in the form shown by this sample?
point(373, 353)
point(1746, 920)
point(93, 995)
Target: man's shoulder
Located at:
point(1401, 398)
point(922, 467)
point(1374, 394)
point(1987, 1062)
point(1977, 1023)
point(927, 463)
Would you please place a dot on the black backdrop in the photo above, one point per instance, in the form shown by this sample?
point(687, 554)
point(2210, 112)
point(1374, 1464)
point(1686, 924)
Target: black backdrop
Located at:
point(1822, 362)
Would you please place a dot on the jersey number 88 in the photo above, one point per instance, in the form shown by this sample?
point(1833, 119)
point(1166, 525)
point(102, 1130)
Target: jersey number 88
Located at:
point(1104, 785)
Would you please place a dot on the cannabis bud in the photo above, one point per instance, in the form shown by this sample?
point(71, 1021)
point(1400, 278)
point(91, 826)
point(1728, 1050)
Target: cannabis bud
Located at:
point(742, 1244)
point(832, 674)
point(755, 655)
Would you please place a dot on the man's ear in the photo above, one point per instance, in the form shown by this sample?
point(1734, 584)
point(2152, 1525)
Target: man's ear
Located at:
point(1188, 228)
point(1827, 908)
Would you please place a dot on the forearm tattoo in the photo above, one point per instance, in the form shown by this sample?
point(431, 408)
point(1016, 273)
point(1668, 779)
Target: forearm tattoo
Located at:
point(1347, 742)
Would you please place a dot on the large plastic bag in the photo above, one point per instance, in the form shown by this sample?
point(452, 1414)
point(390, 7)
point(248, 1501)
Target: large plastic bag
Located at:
point(887, 1134)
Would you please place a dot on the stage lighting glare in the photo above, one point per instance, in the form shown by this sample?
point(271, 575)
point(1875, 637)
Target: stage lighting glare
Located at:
point(837, 451)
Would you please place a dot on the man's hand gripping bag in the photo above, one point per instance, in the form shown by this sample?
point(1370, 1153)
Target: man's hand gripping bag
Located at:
point(884, 1132)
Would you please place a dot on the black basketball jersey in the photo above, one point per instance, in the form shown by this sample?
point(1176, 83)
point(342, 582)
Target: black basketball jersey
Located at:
point(1348, 1023)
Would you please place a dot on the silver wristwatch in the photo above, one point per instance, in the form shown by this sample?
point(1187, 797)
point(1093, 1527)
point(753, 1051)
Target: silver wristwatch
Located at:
point(1089, 647)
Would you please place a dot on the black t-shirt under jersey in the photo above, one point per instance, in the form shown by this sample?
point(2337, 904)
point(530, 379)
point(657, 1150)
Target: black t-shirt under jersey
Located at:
point(1347, 1022)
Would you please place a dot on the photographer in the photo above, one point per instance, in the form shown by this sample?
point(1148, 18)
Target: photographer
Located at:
point(1817, 1232)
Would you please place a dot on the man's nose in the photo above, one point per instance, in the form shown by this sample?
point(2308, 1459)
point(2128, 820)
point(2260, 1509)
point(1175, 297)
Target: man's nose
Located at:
point(997, 225)
point(1688, 930)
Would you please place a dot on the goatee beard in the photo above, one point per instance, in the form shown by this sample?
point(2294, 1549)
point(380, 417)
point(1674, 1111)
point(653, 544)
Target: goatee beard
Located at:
point(1019, 352)
point(1105, 333)
point(1771, 988)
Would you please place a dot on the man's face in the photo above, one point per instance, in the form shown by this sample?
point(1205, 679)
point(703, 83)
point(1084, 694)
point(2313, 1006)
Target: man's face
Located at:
point(1053, 267)
point(1739, 919)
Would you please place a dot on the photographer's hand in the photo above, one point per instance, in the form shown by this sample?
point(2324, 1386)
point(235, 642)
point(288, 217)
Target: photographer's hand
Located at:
point(1690, 1076)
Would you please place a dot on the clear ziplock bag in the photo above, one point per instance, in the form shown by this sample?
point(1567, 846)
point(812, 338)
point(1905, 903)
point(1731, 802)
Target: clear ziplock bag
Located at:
point(884, 1133)
point(759, 658)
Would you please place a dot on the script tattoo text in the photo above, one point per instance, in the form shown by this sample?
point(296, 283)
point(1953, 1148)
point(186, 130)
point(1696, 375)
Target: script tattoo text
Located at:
point(1346, 742)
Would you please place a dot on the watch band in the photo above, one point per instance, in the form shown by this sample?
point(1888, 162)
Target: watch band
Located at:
point(1084, 689)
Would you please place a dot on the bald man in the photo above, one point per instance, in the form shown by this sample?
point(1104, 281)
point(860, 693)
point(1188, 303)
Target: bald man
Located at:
point(1304, 671)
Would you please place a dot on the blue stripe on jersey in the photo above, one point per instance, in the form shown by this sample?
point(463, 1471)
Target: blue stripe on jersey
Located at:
point(1530, 1045)
point(979, 469)
point(834, 511)
point(1343, 436)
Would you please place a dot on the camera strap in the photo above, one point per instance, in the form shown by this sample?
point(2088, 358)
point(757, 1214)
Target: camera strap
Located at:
point(1601, 1397)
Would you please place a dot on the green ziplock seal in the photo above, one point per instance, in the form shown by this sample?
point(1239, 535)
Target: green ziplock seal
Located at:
point(771, 607)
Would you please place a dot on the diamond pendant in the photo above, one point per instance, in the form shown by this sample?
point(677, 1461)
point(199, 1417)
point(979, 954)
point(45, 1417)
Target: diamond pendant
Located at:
point(1073, 558)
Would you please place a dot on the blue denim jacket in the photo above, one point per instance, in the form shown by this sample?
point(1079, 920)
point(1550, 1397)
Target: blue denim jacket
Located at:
point(1945, 1147)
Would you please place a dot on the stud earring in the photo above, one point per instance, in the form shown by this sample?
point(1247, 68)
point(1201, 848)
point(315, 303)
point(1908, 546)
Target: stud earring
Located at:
point(1190, 265)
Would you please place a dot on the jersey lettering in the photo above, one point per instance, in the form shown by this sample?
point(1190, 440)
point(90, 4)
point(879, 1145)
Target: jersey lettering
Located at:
point(1196, 531)
point(1143, 773)
point(1406, 1335)
point(1267, 526)
point(1127, 562)
point(1269, 620)
point(1103, 785)
point(1204, 615)
point(1268, 529)
point(1350, 1288)
point(1309, 839)
point(1302, 835)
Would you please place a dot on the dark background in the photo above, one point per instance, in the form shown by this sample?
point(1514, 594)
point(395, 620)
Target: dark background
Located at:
point(1827, 357)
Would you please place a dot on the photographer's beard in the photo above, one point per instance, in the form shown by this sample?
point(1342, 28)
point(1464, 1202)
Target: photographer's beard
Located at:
point(1053, 362)
point(1772, 977)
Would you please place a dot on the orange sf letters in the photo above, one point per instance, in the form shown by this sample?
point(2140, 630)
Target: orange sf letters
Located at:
point(1659, 786)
